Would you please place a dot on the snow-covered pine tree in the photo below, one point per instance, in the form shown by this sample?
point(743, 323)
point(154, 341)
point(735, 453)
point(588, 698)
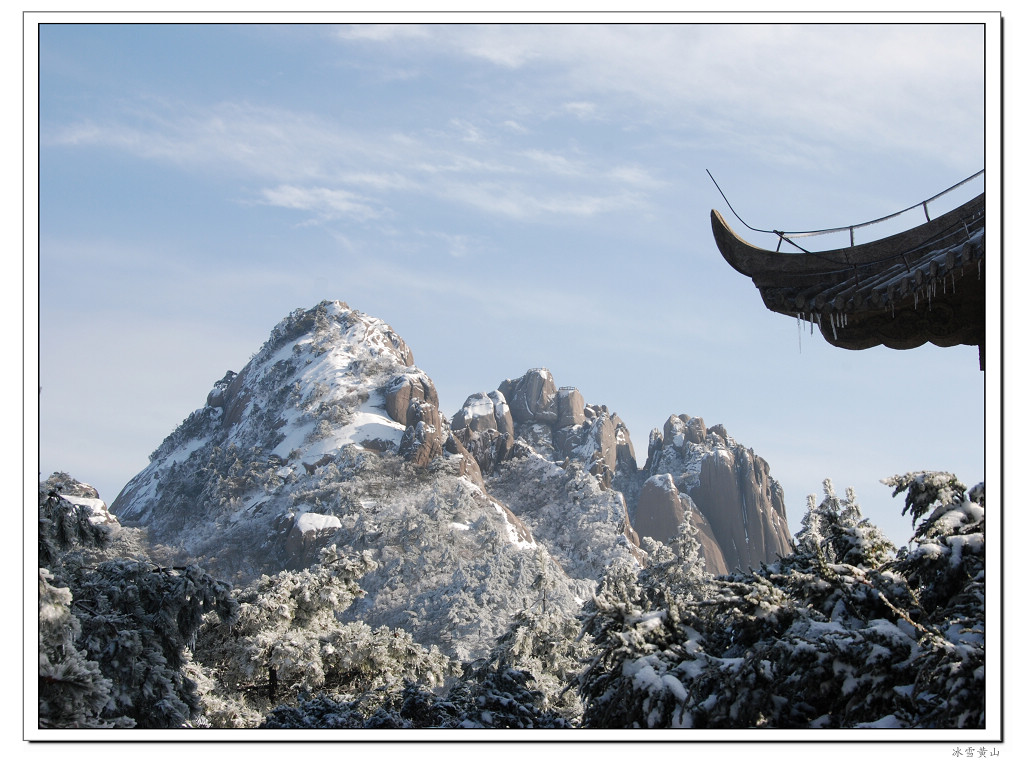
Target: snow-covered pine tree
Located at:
point(289, 642)
point(139, 622)
point(496, 697)
point(837, 531)
point(548, 651)
point(838, 634)
point(527, 682)
point(944, 566)
point(64, 529)
point(131, 620)
point(72, 690)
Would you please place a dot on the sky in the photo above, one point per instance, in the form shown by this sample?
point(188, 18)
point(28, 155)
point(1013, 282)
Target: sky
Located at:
point(505, 196)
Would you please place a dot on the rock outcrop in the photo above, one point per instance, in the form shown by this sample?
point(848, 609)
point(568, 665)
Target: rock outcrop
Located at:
point(744, 505)
point(737, 508)
point(401, 393)
point(81, 495)
point(556, 422)
point(531, 397)
point(740, 507)
point(530, 415)
point(485, 428)
point(659, 513)
point(304, 535)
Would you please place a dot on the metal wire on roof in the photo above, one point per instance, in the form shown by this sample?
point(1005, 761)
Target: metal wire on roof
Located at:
point(788, 236)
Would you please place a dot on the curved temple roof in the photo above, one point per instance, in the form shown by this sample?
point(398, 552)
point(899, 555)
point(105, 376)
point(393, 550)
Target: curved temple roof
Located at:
point(926, 284)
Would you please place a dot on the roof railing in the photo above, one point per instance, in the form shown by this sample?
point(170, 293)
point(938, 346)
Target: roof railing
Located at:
point(789, 235)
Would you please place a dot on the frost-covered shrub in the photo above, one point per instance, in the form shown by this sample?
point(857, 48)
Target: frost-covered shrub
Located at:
point(486, 699)
point(580, 524)
point(547, 652)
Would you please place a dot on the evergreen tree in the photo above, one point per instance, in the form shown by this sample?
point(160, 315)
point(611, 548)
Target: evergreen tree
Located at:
point(115, 634)
point(65, 529)
point(945, 568)
point(289, 642)
point(546, 651)
point(72, 690)
point(138, 623)
point(839, 634)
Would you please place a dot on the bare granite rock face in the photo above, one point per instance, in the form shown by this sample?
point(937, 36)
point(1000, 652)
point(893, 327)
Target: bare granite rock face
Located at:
point(741, 505)
point(304, 535)
point(659, 512)
point(570, 407)
point(411, 399)
point(531, 397)
point(602, 438)
point(555, 422)
point(423, 442)
point(403, 389)
point(468, 466)
point(744, 505)
point(484, 427)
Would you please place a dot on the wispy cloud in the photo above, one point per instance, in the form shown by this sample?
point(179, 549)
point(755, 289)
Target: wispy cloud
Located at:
point(468, 131)
point(382, 32)
point(635, 175)
point(830, 92)
point(327, 203)
point(836, 84)
point(236, 138)
point(556, 164)
point(520, 202)
point(581, 109)
point(459, 246)
point(304, 162)
point(515, 127)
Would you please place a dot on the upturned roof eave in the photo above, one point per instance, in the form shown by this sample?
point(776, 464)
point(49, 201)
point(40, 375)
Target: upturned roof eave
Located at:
point(766, 267)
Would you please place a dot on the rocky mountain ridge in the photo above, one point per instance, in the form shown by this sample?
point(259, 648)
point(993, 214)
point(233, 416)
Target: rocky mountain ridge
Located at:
point(332, 435)
point(739, 509)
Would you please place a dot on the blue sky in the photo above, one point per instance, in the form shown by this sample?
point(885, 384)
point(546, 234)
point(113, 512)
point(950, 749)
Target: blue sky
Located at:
point(506, 197)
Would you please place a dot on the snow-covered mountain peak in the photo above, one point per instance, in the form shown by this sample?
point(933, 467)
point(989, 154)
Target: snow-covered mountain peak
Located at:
point(330, 435)
point(319, 385)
